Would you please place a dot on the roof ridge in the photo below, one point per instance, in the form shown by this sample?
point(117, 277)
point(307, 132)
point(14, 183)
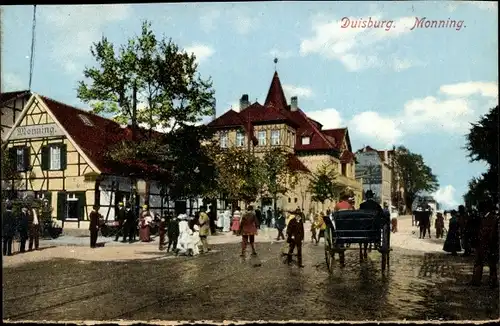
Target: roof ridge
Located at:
point(314, 127)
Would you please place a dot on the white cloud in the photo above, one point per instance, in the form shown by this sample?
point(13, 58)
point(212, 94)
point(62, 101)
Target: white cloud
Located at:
point(13, 82)
point(202, 52)
point(445, 196)
point(372, 125)
point(403, 64)
point(329, 118)
point(291, 90)
point(349, 45)
point(77, 28)
point(487, 89)
point(275, 53)
point(208, 20)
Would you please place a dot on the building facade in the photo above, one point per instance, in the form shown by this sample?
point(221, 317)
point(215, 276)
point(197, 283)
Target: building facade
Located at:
point(375, 169)
point(279, 124)
point(11, 106)
point(59, 153)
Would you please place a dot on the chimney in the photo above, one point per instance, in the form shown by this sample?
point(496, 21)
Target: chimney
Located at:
point(214, 116)
point(294, 103)
point(244, 102)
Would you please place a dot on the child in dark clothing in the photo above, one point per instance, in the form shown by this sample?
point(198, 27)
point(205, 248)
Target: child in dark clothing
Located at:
point(172, 233)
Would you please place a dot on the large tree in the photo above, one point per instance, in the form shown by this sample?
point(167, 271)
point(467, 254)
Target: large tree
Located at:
point(277, 173)
point(323, 185)
point(482, 145)
point(147, 82)
point(416, 177)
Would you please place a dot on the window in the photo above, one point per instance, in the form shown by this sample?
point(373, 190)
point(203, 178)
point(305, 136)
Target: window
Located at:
point(306, 140)
point(289, 199)
point(55, 158)
point(240, 139)
point(295, 200)
point(262, 137)
point(223, 140)
point(20, 159)
point(275, 137)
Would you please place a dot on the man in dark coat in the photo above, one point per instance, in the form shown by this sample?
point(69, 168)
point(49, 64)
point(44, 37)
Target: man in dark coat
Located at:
point(487, 249)
point(269, 217)
point(260, 219)
point(212, 215)
point(295, 236)
point(23, 228)
point(371, 205)
point(94, 226)
point(130, 224)
point(8, 230)
point(172, 233)
point(120, 218)
point(280, 224)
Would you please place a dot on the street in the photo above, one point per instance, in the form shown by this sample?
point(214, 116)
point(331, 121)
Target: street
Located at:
point(222, 286)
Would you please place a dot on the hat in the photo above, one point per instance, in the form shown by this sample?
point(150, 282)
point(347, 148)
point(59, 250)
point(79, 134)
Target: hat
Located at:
point(120, 203)
point(145, 206)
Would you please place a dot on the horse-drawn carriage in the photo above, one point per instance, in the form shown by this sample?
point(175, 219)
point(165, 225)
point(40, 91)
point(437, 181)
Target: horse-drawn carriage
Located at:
point(349, 227)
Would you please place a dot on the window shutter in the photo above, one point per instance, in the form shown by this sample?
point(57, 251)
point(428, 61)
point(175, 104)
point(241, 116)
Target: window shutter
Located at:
point(12, 158)
point(64, 159)
point(27, 159)
point(45, 158)
point(61, 205)
point(82, 202)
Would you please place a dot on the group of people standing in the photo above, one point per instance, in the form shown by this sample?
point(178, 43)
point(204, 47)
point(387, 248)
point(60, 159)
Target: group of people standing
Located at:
point(26, 225)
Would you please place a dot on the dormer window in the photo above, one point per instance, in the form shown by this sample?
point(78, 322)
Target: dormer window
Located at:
point(240, 139)
point(306, 140)
point(223, 140)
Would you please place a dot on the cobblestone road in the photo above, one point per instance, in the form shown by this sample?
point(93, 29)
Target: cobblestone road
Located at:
point(222, 286)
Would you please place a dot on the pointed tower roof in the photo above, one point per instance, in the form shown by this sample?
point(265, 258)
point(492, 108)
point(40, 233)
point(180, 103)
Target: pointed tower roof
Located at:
point(275, 96)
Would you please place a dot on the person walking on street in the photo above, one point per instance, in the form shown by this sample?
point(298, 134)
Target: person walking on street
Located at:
point(162, 229)
point(465, 228)
point(439, 225)
point(248, 230)
point(280, 225)
point(295, 235)
point(260, 218)
point(235, 224)
point(172, 233)
point(94, 225)
point(269, 217)
point(226, 225)
point(120, 218)
point(34, 230)
point(452, 242)
point(487, 250)
point(129, 225)
point(23, 228)
point(204, 229)
point(145, 224)
point(212, 215)
point(8, 229)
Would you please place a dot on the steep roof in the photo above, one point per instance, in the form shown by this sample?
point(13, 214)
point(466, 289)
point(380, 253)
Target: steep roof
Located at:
point(275, 96)
point(9, 96)
point(295, 164)
point(96, 140)
point(381, 153)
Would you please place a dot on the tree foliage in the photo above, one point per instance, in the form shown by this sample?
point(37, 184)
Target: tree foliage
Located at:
point(482, 145)
point(323, 185)
point(278, 176)
point(415, 175)
point(163, 76)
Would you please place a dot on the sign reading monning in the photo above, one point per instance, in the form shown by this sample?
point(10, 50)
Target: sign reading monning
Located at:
point(37, 131)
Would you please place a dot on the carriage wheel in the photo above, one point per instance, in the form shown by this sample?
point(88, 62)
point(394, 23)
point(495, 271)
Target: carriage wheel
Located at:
point(384, 261)
point(328, 258)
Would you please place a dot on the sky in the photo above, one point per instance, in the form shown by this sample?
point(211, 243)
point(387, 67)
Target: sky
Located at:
point(393, 83)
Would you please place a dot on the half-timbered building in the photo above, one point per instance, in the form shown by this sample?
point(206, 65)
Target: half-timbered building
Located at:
point(279, 124)
point(11, 106)
point(59, 153)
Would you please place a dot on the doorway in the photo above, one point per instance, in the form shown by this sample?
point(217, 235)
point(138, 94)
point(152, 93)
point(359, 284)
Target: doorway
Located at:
point(72, 209)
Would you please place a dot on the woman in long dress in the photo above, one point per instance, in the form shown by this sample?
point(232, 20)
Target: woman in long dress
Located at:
point(145, 225)
point(452, 242)
point(227, 220)
point(235, 227)
point(184, 235)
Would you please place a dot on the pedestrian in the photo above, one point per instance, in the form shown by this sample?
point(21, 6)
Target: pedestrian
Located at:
point(260, 218)
point(286, 245)
point(212, 215)
point(204, 229)
point(370, 205)
point(145, 225)
point(235, 224)
point(172, 233)
point(319, 226)
point(269, 217)
point(487, 250)
point(452, 242)
point(248, 230)
point(183, 241)
point(8, 229)
point(344, 203)
point(394, 220)
point(131, 225)
point(439, 225)
point(94, 225)
point(280, 225)
point(195, 241)
point(465, 230)
point(120, 218)
point(227, 219)
point(295, 236)
point(424, 212)
point(23, 228)
point(161, 232)
point(34, 230)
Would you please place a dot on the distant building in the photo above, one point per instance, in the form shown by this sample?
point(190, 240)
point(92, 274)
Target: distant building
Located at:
point(374, 167)
point(277, 123)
